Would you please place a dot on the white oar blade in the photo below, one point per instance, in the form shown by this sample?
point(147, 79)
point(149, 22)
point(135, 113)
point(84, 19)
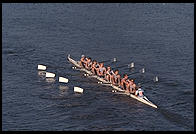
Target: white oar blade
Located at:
point(41, 67)
point(131, 65)
point(50, 75)
point(143, 70)
point(78, 90)
point(114, 60)
point(64, 80)
point(156, 79)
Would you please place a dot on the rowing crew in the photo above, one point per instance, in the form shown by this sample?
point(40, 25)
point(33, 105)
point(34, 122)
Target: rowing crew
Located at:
point(111, 76)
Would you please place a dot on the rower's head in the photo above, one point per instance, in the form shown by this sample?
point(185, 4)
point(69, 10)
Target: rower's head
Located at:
point(116, 71)
point(134, 85)
point(89, 59)
point(82, 57)
point(131, 81)
point(125, 76)
point(109, 68)
point(101, 64)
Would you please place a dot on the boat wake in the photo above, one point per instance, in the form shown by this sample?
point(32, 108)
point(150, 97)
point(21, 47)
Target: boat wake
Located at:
point(176, 118)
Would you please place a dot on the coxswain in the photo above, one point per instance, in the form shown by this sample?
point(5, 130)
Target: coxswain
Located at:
point(139, 93)
point(124, 82)
point(101, 70)
point(115, 78)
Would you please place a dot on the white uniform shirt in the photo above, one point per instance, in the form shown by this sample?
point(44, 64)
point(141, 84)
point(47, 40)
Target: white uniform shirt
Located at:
point(139, 92)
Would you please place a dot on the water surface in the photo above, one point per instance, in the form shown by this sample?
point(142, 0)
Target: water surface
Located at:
point(158, 37)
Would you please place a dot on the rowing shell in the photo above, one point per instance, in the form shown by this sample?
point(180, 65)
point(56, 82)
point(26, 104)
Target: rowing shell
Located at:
point(144, 99)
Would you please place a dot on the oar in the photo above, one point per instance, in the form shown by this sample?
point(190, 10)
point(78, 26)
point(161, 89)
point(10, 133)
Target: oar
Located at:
point(140, 71)
point(113, 60)
point(155, 79)
point(131, 65)
point(85, 74)
point(76, 68)
point(44, 67)
point(63, 80)
point(50, 75)
point(100, 82)
point(78, 90)
point(41, 67)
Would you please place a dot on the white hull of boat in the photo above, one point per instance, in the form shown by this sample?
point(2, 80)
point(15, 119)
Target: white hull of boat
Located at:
point(143, 99)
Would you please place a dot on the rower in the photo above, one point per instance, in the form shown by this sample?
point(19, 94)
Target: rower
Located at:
point(124, 82)
point(115, 78)
point(108, 74)
point(131, 87)
point(85, 61)
point(139, 93)
point(94, 67)
point(82, 61)
point(88, 64)
point(101, 70)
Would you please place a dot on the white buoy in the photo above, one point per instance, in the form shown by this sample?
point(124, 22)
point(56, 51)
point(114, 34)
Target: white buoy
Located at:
point(41, 67)
point(50, 75)
point(78, 90)
point(62, 79)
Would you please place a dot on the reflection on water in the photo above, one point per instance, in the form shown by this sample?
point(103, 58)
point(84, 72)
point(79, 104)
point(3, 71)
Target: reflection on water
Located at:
point(176, 118)
point(76, 94)
point(50, 80)
point(63, 90)
point(41, 73)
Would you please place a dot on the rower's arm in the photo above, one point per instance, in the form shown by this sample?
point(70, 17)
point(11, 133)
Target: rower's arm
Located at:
point(119, 80)
point(112, 79)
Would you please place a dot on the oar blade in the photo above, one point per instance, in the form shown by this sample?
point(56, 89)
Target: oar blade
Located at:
point(50, 75)
point(156, 79)
point(114, 60)
point(63, 80)
point(41, 67)
point(132, 65)
point(143, 70)
point(78, 90)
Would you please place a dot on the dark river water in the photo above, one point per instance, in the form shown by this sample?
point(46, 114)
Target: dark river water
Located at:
point(159, 37)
